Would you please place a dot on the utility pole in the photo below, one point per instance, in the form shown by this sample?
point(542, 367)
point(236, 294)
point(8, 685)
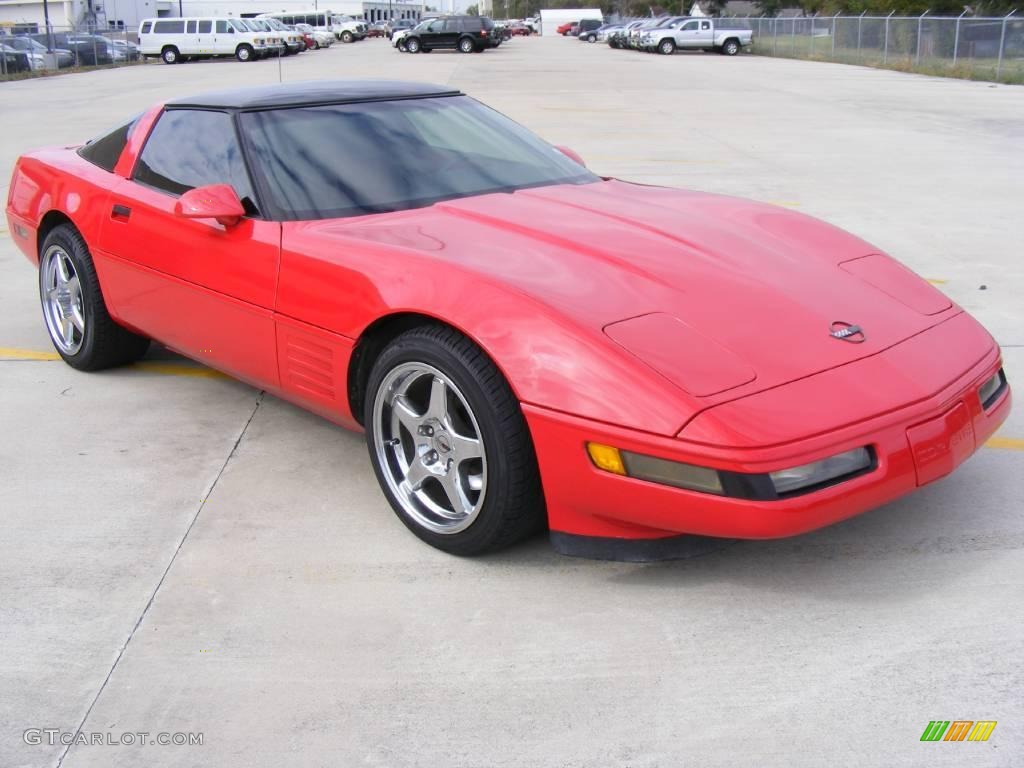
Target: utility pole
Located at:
point(49, 29)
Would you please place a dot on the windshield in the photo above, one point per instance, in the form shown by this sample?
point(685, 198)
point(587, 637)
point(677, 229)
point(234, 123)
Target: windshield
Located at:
point(245, 25)
point(396, 155)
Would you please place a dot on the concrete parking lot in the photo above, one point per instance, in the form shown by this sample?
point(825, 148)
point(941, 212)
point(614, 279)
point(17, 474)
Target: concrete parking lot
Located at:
point(181, 554)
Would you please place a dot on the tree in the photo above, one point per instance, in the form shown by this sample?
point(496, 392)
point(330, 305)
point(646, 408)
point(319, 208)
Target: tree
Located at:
point(473, 10)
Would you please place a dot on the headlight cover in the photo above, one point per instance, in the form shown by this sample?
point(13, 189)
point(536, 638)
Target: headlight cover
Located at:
point(756, 487)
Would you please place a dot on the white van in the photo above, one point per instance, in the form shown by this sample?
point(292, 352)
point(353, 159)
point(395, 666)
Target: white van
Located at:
point(177, 40)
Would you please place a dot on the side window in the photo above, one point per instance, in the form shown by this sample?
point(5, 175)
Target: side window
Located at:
point(169, 27)
point(190, 27)
point(205, 27)
point(192, 148)
point(705, 25)
point(222, 27)
point(146, 27)
point(453, 25)
point(690, 26)
point(106, 150)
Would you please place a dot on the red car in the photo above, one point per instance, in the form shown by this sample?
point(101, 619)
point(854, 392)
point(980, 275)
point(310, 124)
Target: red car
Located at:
point(524, 342)
point(519, 30)
point(564, 29)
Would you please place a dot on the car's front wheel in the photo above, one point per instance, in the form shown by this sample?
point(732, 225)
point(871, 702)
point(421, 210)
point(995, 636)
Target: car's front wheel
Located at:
point(412, 46)
point(449, 444)
point(76, 316)
point(169, 55)
point(667, 47)
point(347, 37)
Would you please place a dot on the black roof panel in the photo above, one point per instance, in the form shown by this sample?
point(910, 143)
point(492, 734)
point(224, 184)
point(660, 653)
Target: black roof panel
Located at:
point(312, 92)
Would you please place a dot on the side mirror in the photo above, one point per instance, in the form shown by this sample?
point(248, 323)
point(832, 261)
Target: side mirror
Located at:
point(571, 155)
point(214, 201)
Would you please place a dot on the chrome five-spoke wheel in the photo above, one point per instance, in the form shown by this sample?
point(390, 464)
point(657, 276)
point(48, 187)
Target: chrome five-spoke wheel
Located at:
point(63, 306)
point(429, 447)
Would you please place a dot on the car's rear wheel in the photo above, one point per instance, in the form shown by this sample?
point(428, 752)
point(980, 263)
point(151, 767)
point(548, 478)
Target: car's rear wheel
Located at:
point(77, 319)
point(449, 444)
point(667, 47)
point(413, 45)
point(466, 45)
point(170, 55)
point(244, 53)
point(731, 48)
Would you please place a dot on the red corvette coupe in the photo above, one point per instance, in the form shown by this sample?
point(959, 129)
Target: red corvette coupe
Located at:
point(523, 342)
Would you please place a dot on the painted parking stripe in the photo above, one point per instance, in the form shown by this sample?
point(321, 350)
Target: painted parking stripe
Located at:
point(147, 366)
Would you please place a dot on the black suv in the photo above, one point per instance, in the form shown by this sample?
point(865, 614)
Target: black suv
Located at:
point(464, 33)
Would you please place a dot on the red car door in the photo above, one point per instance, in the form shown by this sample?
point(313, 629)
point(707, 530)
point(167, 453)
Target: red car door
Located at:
point(205, 290)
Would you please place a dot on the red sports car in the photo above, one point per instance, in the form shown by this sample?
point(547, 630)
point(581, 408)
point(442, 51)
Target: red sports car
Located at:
point(524, 342)
point(563, 29)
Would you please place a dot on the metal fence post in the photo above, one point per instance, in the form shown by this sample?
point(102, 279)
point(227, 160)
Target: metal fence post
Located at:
point(775, 35)
point(885, 53)
point(920, 21)
point(860, 29)
point(835, 28)
point(1002, 43)
point(956, 38)
point(792, 39)
point(815, 16)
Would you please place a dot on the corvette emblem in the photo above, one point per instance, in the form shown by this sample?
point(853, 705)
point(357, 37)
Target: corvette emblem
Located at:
point(847, 332)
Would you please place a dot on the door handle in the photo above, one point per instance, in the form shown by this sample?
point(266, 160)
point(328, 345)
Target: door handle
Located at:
point(120, 212)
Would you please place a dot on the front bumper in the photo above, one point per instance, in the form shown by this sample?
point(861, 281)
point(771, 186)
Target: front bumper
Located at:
point(914, 444)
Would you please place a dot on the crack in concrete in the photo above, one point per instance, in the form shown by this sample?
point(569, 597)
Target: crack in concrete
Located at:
point(163, 576)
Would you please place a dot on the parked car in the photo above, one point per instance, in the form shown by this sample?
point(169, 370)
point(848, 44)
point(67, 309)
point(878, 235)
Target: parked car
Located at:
point(633, 39)
point(273, 39)
point(619, 37)
point(622, 404)
point(467, 34)
point(321, 39)
point(396, 25)
point(176, 40)
point(125, 48)
point(349, 30)
point(533, 22)
point(37, 51)
point(375, 30)
point(563, 29)
point(519, 29)
point(13, 60)
point(589, 30)
point(586, 29)
point(695, 35)
point(291, 39)
point(87, 50)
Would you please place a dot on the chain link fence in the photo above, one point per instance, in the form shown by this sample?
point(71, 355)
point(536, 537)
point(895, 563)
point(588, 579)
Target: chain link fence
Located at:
point(968, 47)
point(30, 50)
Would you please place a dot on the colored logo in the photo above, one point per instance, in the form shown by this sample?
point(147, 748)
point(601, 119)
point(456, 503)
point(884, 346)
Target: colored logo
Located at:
point(847, 332)
point(958, 730)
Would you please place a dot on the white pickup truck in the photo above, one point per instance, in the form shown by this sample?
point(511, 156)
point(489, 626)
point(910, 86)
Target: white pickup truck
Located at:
point(697, 34)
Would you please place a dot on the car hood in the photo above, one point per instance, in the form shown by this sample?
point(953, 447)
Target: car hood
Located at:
point(723, 295)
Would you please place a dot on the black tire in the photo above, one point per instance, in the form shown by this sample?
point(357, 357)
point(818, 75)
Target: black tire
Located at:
point(591, 38)
point(667, 47)
point(347, 37)
point(170, 55)
point(731, 47)
point(513, 507)
point(104, 343)
point(466, 45)
point(245, 53)
point(412, 45)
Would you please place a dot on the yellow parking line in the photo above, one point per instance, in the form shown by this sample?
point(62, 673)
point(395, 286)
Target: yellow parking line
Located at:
point(1006, 443)
point(146, 366)
point(785, 203)
point(937, 280)
point(178, 369)
point(12, 353)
